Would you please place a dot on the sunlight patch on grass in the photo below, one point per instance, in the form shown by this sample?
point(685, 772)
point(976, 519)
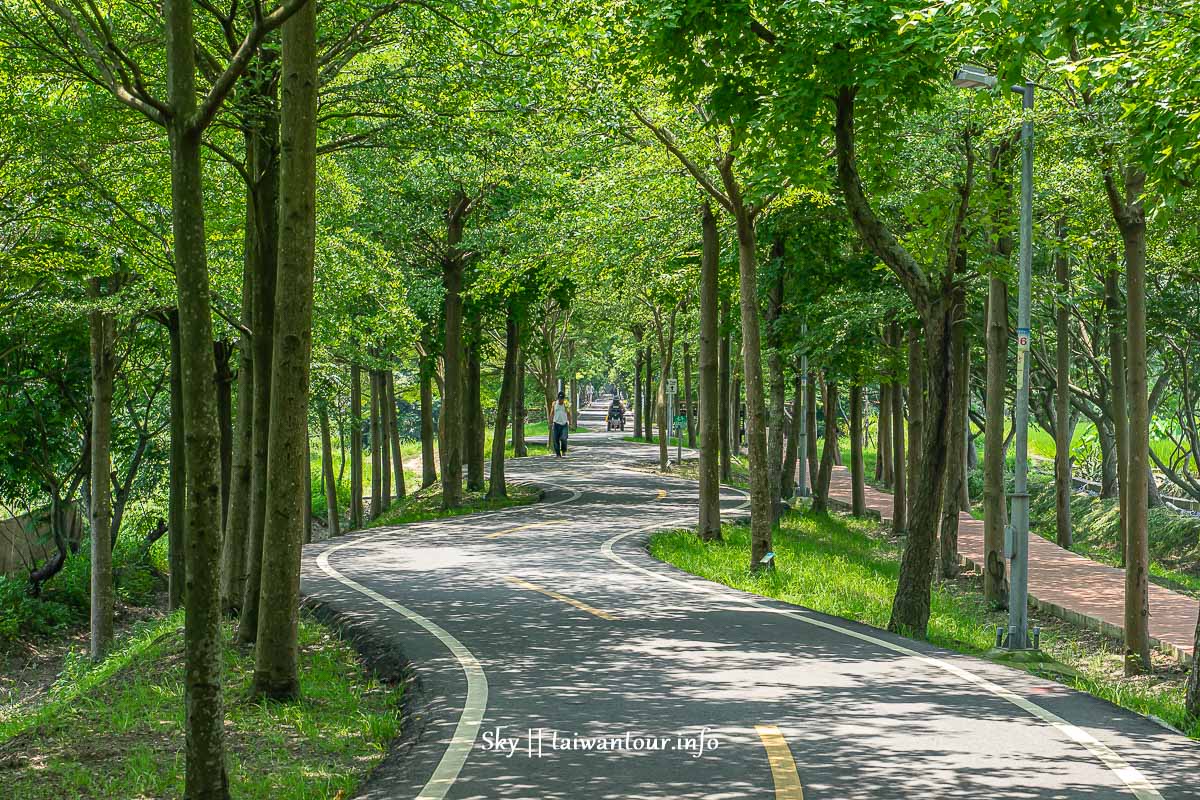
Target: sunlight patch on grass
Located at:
point(426, 504)
point(116, 731)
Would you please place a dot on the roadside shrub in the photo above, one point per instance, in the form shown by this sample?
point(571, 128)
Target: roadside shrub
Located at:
point(73, 585)
point(66, 598)
point(23, 617)
point(1174, 538)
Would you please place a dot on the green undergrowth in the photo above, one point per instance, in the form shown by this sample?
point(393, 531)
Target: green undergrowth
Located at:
point(65, 599)
point(847, 568)
point(690, 468)
point(1174, 538)
point(115, 730)
point(410, 450)
point(426, 504)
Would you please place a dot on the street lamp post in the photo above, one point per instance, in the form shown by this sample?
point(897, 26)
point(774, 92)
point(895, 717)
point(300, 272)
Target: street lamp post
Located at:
point(800, 407)
point(1016, 545)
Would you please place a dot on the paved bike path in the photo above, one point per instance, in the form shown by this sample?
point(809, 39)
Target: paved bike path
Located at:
point(554, 617)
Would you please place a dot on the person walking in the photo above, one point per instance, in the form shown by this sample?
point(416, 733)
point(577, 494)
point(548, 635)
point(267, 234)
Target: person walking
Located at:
point(561, 420)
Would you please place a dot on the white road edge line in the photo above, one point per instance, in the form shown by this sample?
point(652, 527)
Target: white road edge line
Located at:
point(1130, 776)
point(471, 719)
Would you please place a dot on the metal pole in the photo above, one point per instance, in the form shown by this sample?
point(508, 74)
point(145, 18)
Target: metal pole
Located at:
point(1018, 605)
point(802, 453)
point(670, 416)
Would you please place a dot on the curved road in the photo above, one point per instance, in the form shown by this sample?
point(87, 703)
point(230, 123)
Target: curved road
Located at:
point(554, 658)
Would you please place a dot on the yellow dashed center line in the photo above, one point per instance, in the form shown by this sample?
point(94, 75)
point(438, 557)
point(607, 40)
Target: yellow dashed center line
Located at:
point(533, 587)
point(507, 531)
point(783, 766)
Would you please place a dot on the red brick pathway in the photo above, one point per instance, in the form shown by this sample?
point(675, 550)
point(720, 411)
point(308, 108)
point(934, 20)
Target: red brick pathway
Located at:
point(1066, 584)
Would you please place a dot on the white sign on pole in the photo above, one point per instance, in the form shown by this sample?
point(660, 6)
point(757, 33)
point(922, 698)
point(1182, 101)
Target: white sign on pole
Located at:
point(672, 386)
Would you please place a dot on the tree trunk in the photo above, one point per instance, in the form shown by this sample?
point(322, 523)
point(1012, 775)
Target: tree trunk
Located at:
point(829, 446)
point(177, 491)
point(512, 348)
point(453, 413)
point(858, 496)
point(756, 434)
point(687, 394)
point(265, 159)
point(276, 673)
point(356, 453)
point(916, 412)
point(665, 346)
point(308, 482)
point(968, 446)
point(638, 414)
point(899, 481)
point(792, 454)
point(573, 402)
point(103, 334)
point(883, 446)
point(549, 391)
point(222, 351)
point(956, 441)
point(376, 447)
point(206, 777)
point(1193, 682)
point(389, 391)
point(995, 576)
point(1131, 219)
point(385, 443)
point(777, 385)
point(428, 463)
point(910, 609)
point(1119, 406)
point(735, 415)
point(811, 459)
point(651, 396)
point(237, 522)
point(473, 426)
point(709, 527)
point(518, 419)
point(1062, 395)
point(724, 401)
point(332, 520)
point(972, 453)
point(1108, 459)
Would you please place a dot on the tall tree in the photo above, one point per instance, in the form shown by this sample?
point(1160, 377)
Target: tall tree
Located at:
point(710, 487)
point(276, 672)
point(102, 325)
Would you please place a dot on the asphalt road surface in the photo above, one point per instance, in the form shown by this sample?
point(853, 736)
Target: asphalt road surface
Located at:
point(554, 658)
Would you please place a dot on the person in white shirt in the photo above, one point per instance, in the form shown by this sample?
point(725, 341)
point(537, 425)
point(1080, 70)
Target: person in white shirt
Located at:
point(561, 421)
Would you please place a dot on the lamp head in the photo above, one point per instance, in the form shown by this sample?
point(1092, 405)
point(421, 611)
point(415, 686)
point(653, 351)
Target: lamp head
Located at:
point(971, 77)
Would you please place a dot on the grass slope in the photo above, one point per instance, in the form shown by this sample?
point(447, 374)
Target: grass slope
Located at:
point(115, 730)
point(426, 504)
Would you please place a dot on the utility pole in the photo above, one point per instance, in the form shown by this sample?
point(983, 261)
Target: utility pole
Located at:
point(1016, 545)
point(1018, 603)
point(801, 489)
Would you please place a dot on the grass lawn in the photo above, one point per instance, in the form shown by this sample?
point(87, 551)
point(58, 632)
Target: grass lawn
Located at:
point(426, 504)
point(846, 567)
point(115, 730)
point(410, 451)
point(690, 468)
